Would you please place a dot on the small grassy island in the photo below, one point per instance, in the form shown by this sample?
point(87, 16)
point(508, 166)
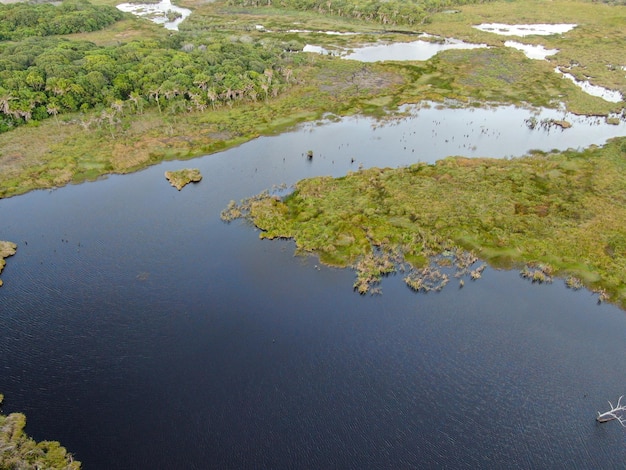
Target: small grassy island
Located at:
point(18, 451)
point(181, 178)
point(549, 214)
point(6, 249)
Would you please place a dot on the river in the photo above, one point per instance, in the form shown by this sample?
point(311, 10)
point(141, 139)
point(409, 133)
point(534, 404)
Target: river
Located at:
point(142, 332)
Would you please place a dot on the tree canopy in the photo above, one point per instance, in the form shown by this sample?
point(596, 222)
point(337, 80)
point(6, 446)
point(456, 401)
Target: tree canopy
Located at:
point(45, 77)
point(18, 451)
point(22, 20)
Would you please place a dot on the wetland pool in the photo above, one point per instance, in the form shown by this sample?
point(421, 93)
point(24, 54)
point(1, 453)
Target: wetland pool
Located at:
point(143, 332)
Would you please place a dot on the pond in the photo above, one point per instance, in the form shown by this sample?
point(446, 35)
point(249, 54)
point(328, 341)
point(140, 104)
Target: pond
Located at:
point(163, 12)
point(415, 50)
point(525, 29)
point(612, 96)
point(531, 51)
point(142, 332)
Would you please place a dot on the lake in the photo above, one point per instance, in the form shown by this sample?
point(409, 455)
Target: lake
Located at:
point(142, 332)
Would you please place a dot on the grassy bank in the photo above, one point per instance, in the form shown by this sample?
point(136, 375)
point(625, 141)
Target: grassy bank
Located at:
point(560, 214)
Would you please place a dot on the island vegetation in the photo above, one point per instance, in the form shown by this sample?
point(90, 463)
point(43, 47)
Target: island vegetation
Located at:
point(181, 178)
point(18, 451)
point(549, 214)
point(6, 249)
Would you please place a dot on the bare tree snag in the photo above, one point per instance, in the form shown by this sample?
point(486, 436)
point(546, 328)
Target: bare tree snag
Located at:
point(616, 412)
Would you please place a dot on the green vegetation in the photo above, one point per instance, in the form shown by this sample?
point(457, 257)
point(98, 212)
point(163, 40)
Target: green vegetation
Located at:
point(557, 214)
point(50, 77)
point(390, 12)
point(181, 178)
point(22, 20)
point(18, 451)
point(6, 249)
point(79, 106)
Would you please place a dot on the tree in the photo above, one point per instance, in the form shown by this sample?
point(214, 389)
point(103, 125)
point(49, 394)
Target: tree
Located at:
point(5, 98)
point(53, 110)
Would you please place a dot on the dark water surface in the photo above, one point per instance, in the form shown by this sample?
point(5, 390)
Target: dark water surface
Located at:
point(142, 332)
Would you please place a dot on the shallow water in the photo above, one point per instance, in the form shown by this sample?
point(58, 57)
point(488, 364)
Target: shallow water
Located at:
point(423, 50)
point(415, 50)
point(612, 96)
point(539, 52)
point(525, 29)
point(142, 332)
point(157, 12)
point(536, 52)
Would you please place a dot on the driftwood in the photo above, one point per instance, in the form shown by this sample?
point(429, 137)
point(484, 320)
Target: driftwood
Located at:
point(615, 413)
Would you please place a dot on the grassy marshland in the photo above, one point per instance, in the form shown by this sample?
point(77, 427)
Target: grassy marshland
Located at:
point(558, 214)
point(57, 145)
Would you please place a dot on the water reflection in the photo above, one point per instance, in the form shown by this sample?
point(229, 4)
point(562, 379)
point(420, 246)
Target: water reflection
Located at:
point(531, 51)
point(525, 29)
point(400, 51)
point(613, 96)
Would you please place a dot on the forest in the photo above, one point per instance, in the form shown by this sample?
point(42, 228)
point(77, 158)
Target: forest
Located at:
point(22, 20)
point(42, 77)
point(46, 77)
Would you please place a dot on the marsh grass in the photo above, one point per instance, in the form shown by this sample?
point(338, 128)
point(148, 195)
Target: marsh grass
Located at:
point(596, 45)
point(558, 214)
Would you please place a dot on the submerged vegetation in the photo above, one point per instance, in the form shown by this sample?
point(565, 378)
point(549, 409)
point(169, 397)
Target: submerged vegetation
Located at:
point(550, 214)
point(18, 451)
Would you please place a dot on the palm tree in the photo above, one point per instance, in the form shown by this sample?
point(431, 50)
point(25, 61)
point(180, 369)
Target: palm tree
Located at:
point(155, 93)
point(212, 95)
point(5, 98)
point(53, 109)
